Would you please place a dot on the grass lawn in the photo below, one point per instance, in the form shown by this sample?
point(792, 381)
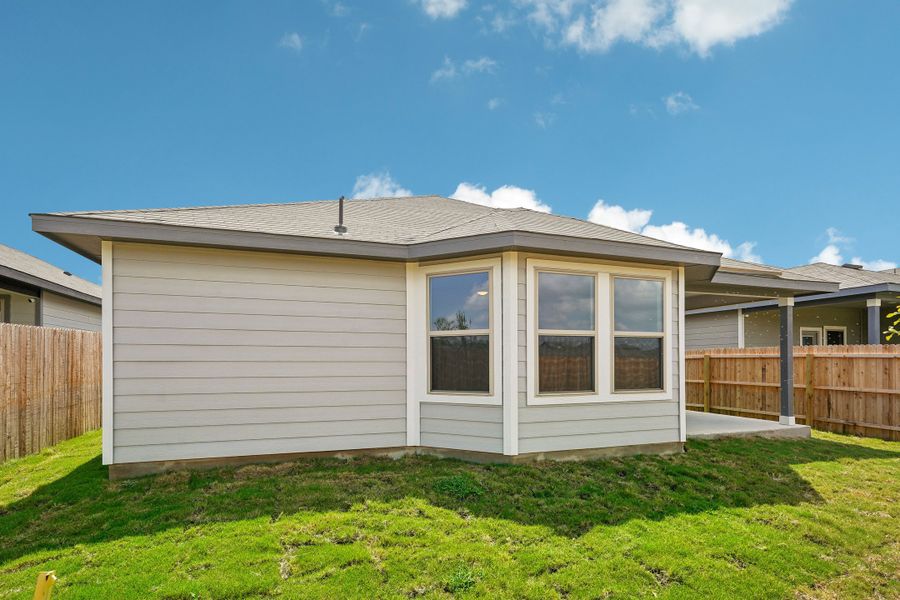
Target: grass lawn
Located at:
point(728, 519)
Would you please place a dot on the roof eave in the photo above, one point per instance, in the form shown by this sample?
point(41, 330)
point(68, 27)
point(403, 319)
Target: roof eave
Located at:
point(44, 284)
point(82, 235)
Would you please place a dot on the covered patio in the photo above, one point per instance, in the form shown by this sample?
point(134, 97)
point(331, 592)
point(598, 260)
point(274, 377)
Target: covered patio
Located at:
point(737, 283)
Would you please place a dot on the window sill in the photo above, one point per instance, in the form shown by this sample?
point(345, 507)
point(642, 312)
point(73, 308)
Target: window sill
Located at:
point(462, 399)
point(597, 399)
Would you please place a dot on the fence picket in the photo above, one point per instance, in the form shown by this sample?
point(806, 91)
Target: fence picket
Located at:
point(50, 387)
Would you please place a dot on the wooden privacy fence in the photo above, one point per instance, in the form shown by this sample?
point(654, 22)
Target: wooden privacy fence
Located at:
point(50, 386)
point(847, 389)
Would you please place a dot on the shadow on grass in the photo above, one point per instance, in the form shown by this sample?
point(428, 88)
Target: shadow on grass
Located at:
point(83, 507)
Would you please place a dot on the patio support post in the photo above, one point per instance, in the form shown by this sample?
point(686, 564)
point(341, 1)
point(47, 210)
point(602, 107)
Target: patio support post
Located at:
point(786, 310)
point(873, 318)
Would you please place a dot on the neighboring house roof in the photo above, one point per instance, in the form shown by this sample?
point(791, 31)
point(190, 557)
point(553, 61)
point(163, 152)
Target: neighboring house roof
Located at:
point(853, 283)
point(22, 267)
point(846, 277)
point(409, 228)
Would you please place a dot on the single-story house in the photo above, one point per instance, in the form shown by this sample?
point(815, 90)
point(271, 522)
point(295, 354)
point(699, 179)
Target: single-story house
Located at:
point(422, 324)
point(34, 292)
point(854, 314)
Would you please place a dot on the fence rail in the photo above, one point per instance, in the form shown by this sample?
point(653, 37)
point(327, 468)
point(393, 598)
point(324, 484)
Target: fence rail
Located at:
point(847, 389)
point(50, 387)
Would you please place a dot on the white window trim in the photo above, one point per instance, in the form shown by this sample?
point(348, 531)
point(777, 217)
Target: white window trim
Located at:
point(817, 330)
point(604, 366)
point(827, 328)
point(418, 333)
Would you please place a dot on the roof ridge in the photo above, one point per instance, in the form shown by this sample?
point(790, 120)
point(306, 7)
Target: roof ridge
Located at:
point(244, 205)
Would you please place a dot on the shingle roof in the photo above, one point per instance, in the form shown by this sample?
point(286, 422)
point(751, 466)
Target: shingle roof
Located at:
point(846, 277)
point(407, 220)
point(30, 265)
point(731, 265)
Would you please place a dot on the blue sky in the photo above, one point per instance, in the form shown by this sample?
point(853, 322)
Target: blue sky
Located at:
point(770, 125)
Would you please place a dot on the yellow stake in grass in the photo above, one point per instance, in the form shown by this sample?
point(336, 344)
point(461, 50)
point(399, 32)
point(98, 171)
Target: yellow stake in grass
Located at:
point(44, 585)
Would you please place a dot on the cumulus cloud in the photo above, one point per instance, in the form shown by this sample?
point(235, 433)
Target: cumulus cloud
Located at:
point(449, 69)
point(833, 253)
point(378, 185)
point(507, 196)
point(638, 221)
point(678, 103)
point(618, 217)
point(494, 103)
point(291, 41)
point(442, 9)
point(699, 25)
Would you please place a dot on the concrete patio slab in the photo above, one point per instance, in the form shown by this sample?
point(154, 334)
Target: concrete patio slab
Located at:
point(710, 426)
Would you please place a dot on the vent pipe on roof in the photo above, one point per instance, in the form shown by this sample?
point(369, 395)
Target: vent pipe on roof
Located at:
point(340, 228)
point(852, 266)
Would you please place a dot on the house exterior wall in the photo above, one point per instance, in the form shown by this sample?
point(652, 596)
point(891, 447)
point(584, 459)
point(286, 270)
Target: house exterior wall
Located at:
point(220, 353)
point(561, 427)
point(761, 327)
point(462, 427)
point(712, 330)
point(19, 308)
point(59, 311)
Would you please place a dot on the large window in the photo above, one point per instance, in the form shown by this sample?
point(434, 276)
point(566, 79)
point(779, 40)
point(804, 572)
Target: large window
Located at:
point(638, 334)
point(567, 333)
point(459, 333)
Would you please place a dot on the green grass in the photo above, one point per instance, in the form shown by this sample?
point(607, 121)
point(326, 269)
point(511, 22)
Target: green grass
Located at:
point(728, 519)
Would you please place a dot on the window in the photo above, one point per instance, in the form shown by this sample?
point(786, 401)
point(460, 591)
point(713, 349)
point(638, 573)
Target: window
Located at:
point(459, 333)
point(835, 335)
point(638, 334)
point(597, 332)
point(567, 333)
point(810, 336)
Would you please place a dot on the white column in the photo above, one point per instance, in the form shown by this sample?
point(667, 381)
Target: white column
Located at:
point(510, 300)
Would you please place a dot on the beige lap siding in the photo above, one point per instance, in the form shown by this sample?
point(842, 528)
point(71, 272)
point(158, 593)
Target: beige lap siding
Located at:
point(596, 425)
point(59, 311)
point(712, 330)
point(462, 427)
point(227, 353)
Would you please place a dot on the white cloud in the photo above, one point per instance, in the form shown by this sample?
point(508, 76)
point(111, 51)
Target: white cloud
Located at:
point(678, 103)
point(378, 185)
point(449, 69)
point(495, 103)
point(833, 253)
point(617, 20)
point(616, 216)
point(291, 41)
point(443, 9)
point(638, 221)
point(544, 119)
point(507, 196)
point(479, 65)
point(446, 71)
point(707, 23)
point(699, 25)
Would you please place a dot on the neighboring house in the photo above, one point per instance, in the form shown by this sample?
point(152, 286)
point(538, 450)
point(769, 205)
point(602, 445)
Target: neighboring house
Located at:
point(855, 314)
point(431, 325)
point(34, 292)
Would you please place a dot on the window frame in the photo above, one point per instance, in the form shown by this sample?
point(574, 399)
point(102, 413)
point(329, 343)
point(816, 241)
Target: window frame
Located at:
point(605, 340)
point(661, 335)
point(419, 308)
point(565, 333)
point(432, 333)
point(816, 330)
point(827, 328)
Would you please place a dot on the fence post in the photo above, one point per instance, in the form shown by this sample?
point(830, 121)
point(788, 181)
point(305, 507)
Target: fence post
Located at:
point(810, 389)
point(706, 386)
